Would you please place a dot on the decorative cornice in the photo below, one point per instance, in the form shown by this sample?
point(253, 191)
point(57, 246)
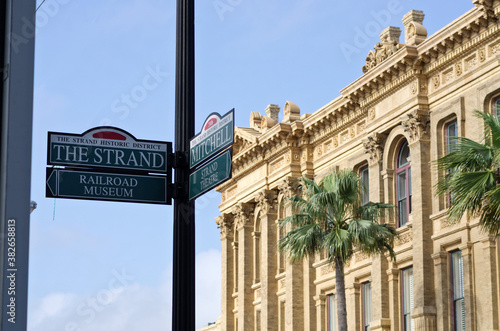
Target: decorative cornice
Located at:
point(416, 124)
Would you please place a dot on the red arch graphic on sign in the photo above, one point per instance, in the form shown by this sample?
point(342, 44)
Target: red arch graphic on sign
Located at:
point(109, 135)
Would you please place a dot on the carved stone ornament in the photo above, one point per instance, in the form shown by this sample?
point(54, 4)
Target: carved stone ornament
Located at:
point(243, 213)
point(266, 201)
point(371, 114)
point(458, 68)
point(413, 88)
point(225, 224)
point(388, 46)
point(288, 188)
point(374, 147)
point(423, 86)
point(416, 124)
point(436, 82)
point(482, 54)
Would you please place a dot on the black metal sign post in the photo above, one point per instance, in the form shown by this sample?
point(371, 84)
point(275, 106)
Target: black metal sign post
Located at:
point(17, 46)
point(183, 294)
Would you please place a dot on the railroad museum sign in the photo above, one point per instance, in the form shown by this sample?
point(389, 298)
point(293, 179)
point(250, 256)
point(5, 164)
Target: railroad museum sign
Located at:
point(107, 163)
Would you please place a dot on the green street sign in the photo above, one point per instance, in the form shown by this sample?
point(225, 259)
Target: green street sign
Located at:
point(216, 135)
point(108, 147)
point(213, 173)
point(89, 185)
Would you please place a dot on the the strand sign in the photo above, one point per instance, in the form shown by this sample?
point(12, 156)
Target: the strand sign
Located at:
point(107, 147)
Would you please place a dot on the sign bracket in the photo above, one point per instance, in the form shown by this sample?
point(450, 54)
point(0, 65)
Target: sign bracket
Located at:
point(180, 159)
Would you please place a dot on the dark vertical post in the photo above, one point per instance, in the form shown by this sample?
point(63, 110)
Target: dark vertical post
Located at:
point(17, 62)
point(183, 306)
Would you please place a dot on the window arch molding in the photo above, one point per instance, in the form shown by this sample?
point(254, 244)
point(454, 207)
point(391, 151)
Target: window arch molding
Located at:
point(392, 147)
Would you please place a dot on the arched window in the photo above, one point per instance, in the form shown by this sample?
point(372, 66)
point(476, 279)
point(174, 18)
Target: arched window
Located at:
point(365, 182)
point(495, 105)
point(256, 250)
point(235, 260)
point(281, 234)
point(403, 183)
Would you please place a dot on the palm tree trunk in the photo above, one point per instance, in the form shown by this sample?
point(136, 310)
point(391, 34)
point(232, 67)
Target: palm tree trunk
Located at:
point(340, 289)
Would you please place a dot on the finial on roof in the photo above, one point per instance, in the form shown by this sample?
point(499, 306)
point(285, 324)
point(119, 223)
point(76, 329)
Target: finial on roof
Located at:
point(415, 32)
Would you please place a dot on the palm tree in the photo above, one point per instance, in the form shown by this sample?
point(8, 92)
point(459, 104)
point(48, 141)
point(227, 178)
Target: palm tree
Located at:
point(471, 176)
point(330, 216)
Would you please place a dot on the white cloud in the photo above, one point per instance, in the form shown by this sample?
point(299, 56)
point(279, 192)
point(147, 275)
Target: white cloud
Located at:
point(123, 304)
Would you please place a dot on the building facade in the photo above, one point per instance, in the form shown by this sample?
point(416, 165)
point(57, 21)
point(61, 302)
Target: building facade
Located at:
point(390, 125)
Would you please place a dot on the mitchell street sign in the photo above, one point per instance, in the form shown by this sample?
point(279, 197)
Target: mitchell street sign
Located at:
point(211, 174)
point(89, 185)
point(216, 135)
point(108, 147)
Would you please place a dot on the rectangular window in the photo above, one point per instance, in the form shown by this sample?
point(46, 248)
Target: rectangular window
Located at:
point(332, 313)
point(365, 182)
point(367, 306)
point(407, 275)
point(457, 278)
point(257, 320)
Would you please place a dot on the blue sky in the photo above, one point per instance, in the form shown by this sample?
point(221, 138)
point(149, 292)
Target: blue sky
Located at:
point(107, 265)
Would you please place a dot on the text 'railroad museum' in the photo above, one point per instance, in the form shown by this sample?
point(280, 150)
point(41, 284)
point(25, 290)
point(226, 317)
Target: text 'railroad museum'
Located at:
point(390, 125)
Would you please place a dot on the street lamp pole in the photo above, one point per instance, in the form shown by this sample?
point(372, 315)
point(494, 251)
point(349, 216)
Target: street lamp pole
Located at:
point(183, 294)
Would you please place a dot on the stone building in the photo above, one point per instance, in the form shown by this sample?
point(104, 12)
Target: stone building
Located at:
point(390, 125)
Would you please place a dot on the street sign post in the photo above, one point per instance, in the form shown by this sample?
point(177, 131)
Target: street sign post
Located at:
point(216, 135)
point(108, 147)
point(210, 175)
point(87, 185)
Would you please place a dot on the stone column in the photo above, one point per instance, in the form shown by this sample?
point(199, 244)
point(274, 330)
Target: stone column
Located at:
point(267, 203)
point(225, 224)
point(380, 289)
point(321, 313)
point(243, 217)
point(416, 124)
point(353, 298)
point(393, 284)
point(443, 294)
point(294, 286)
point(488, 287)
point(469, 299)
point(309, 291)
